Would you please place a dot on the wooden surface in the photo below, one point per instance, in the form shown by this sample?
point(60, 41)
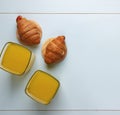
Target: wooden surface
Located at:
point(89, 75)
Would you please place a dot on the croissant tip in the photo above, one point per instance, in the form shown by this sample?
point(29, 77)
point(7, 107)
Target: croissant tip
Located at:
point(18, 18)
point(61, 38)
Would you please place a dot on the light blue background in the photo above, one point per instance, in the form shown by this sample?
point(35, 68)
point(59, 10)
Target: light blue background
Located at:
point(89, 75)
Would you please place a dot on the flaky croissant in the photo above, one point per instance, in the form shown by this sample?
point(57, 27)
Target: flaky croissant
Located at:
point(54, 50)
point(28, 32)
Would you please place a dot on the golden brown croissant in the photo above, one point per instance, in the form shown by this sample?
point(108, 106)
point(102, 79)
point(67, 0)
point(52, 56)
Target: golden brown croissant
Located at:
point(28, 31)
point(54, 50)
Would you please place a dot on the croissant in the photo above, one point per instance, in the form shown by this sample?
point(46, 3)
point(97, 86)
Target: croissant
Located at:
point(28, 31)
point(54, 50)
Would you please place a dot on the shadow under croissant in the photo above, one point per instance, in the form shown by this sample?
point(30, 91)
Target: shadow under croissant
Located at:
point(50, 66)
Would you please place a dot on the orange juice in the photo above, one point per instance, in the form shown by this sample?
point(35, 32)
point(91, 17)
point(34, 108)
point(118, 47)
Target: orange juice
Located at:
point(42, 87)
point(16, 59)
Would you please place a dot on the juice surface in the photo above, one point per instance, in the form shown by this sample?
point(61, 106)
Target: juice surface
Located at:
point(42, 87)
point(16, 58)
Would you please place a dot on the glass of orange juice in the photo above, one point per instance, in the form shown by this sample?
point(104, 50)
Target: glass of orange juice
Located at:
point(16, 58)
point(42, 87)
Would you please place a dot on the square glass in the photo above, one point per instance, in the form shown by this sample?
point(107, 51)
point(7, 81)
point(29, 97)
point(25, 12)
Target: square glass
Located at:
point(42, 87)
point(16, 58)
